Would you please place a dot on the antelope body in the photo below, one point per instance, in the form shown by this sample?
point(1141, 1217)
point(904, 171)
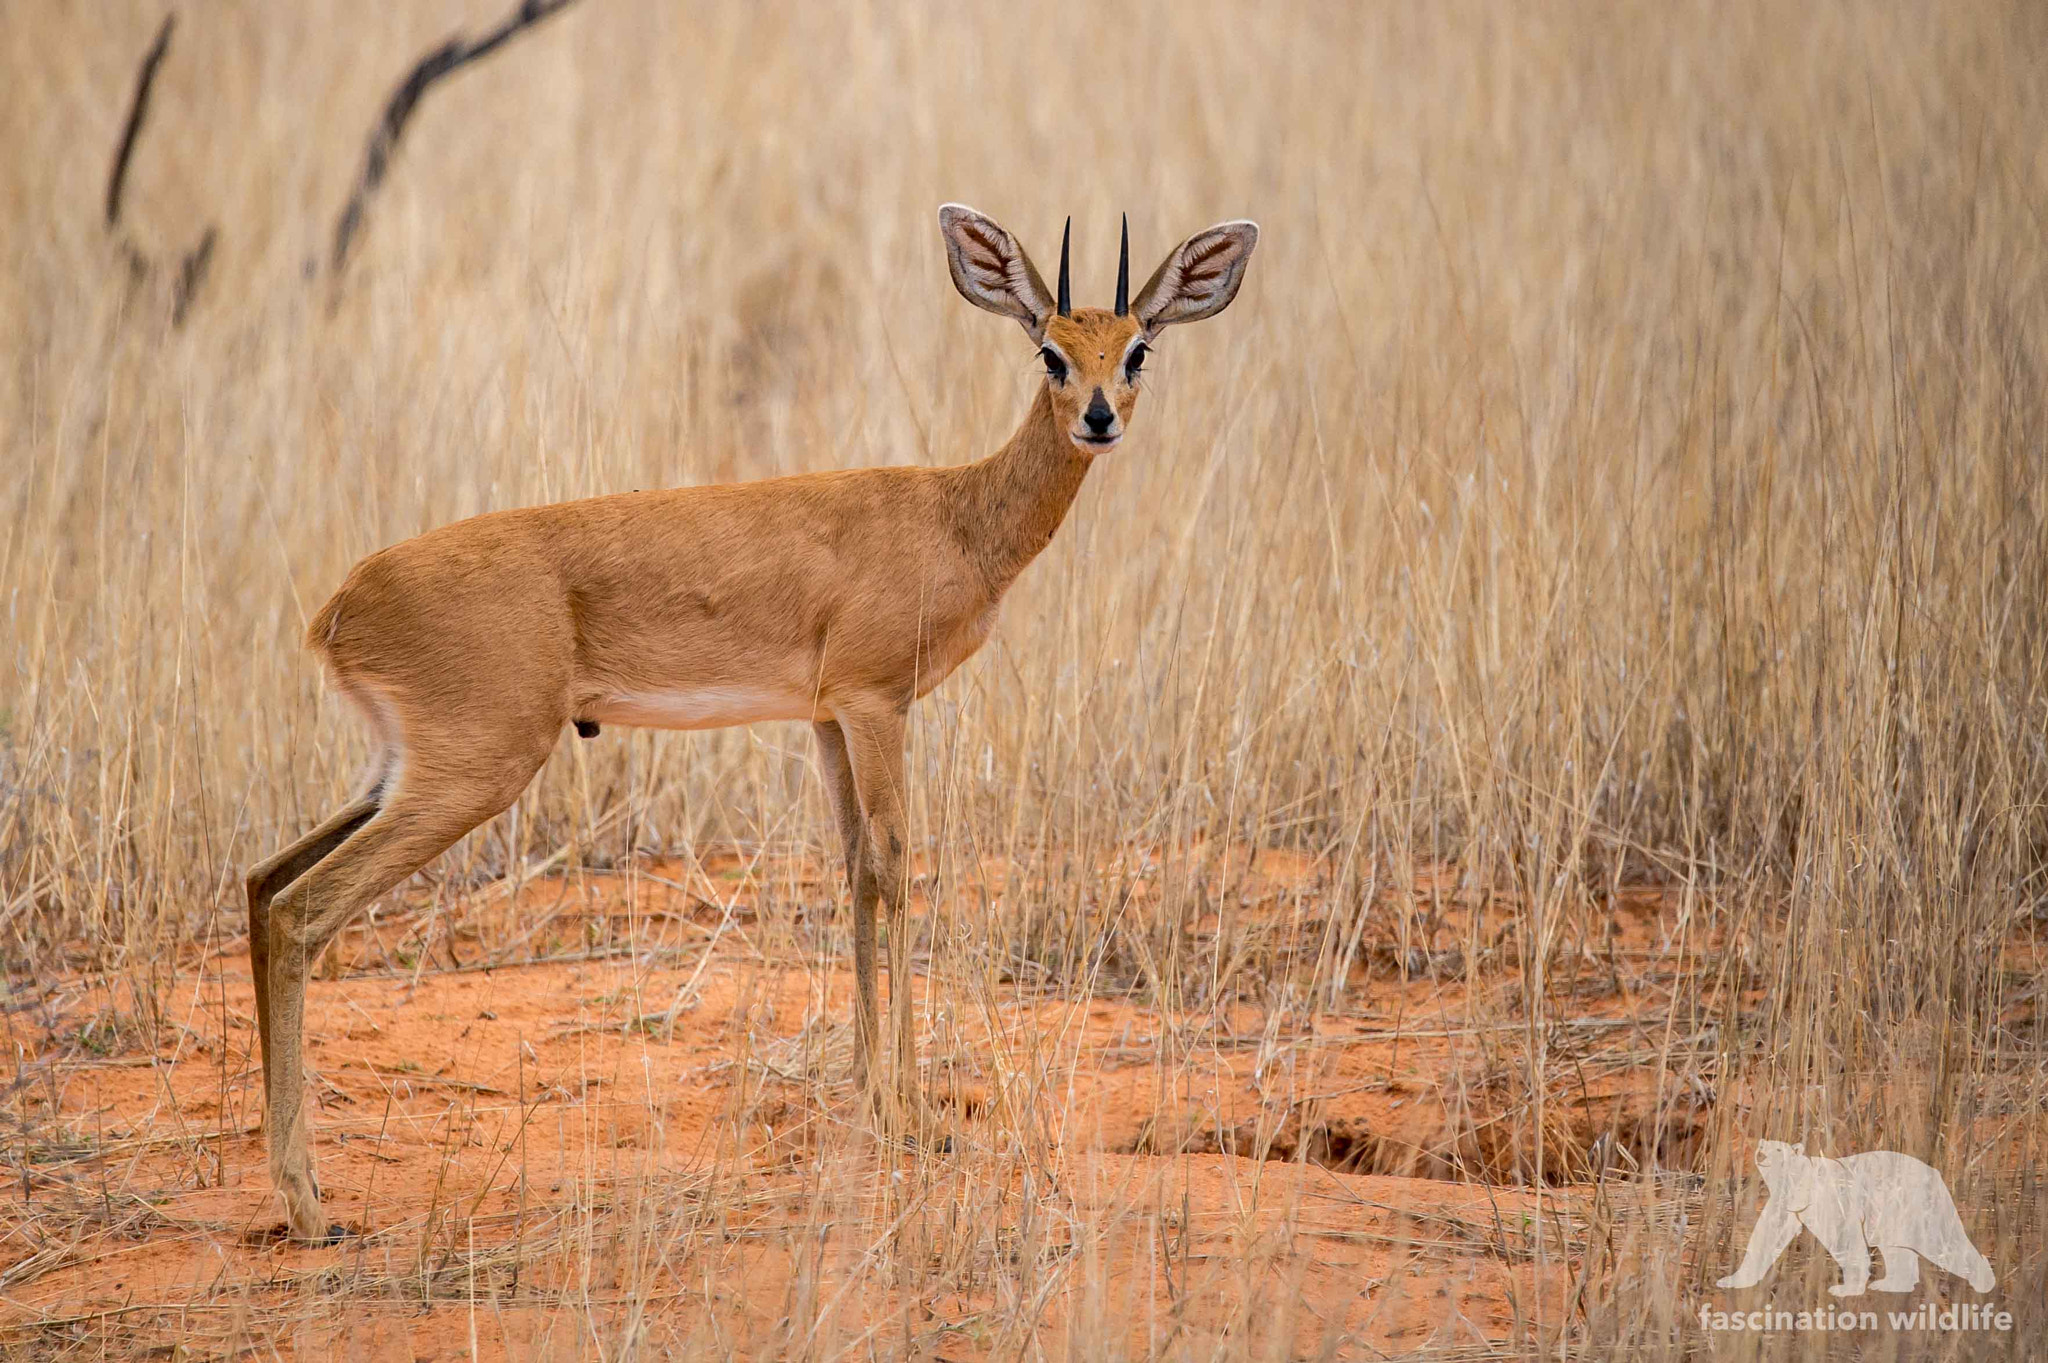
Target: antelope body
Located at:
point(837, 598)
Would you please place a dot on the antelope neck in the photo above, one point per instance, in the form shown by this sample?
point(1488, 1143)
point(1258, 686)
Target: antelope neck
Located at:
point(1015, 499)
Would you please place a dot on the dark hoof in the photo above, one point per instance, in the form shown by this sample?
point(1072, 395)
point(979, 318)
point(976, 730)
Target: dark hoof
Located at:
point(586, 728)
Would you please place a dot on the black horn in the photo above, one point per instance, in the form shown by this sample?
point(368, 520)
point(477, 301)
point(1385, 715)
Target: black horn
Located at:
point(1123, 271)
point(1066, 294)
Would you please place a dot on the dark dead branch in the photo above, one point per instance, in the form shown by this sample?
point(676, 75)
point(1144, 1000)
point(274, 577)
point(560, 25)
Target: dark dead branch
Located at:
point(138, 112)
point(193, 268)
point(192, 276)
point(451, 56)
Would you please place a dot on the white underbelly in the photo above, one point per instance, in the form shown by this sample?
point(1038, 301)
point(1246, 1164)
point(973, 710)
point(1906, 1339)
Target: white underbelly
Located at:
point(705, 707)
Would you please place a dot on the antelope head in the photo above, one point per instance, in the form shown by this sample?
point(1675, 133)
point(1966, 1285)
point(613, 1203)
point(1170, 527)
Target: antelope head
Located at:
point(1094, 357)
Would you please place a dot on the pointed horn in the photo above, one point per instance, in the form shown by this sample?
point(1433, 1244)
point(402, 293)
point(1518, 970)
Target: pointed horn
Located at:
point(1066, 294)
point(1123, 272)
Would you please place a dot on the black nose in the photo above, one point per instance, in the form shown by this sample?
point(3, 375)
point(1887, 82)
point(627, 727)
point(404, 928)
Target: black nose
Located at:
point(1099, 416)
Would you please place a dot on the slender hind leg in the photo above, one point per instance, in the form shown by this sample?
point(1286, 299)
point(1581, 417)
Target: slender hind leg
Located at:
point(267, 877)
point(414, 826)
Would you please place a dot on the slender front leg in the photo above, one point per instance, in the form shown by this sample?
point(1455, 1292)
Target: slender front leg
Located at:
point(839, 784)
point(873, 736)
point(909, 1093)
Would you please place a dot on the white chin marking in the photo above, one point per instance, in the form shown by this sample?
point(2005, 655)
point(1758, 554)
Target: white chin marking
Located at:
point(705, 707)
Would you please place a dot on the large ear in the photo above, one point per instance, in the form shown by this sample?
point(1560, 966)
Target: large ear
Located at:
point(991, 270)
point(1198, 278)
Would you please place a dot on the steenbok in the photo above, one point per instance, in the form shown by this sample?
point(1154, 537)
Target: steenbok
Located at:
point(837, 598)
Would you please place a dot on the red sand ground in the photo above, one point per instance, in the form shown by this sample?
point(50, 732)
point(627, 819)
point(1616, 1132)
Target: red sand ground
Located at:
point(535, 1159)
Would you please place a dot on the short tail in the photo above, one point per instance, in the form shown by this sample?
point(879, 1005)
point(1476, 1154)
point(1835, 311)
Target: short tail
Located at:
point(320, 632)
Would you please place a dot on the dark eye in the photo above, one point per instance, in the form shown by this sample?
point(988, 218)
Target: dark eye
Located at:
point(1055, 367)
point(1134, 363)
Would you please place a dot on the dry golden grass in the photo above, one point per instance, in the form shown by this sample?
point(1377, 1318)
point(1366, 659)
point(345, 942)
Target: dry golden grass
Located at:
point(1625, 471)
